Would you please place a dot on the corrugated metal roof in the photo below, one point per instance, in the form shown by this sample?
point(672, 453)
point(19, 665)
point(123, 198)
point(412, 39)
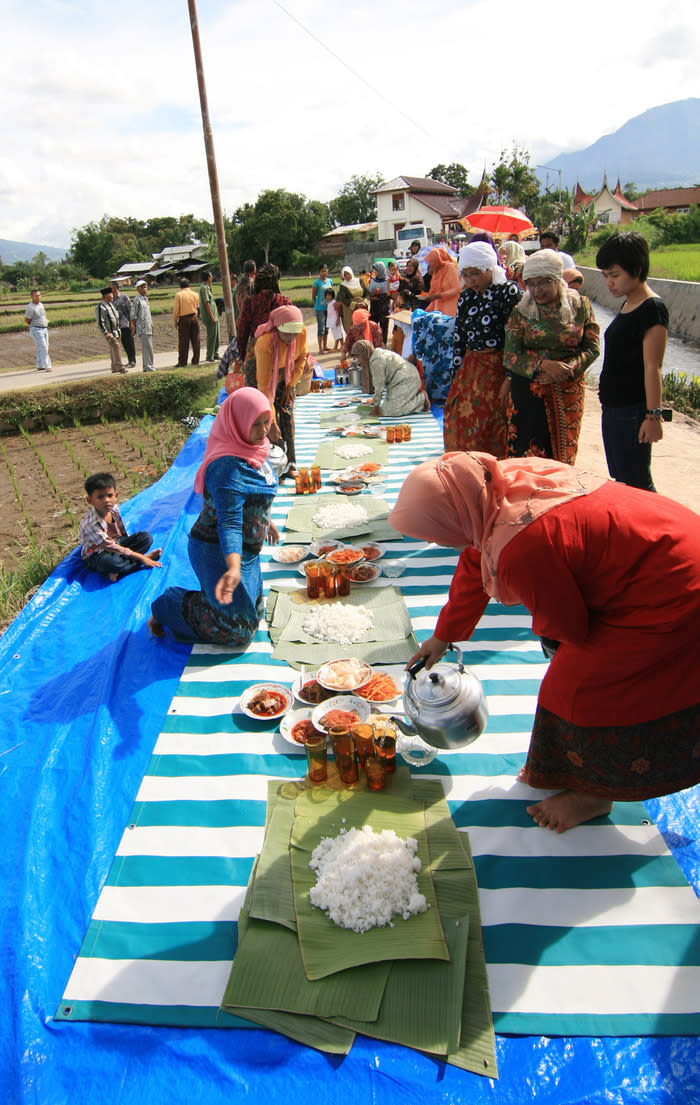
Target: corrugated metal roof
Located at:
point(135, 266)
point(159, 272)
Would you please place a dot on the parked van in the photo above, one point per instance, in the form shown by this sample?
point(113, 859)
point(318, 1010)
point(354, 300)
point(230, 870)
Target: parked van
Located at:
point(417, 232)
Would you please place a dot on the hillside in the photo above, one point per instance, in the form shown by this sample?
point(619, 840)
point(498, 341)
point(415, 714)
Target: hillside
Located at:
point(11, 252)
point(656, 149)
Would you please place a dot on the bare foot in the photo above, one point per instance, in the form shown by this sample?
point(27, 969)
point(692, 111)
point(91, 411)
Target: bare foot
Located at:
point(154, 554)
point(523, 776)
point(113, 576)
point(567, 809)
point(155, 627)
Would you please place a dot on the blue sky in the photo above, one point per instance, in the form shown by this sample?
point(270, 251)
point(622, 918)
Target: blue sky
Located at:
point(101, 110)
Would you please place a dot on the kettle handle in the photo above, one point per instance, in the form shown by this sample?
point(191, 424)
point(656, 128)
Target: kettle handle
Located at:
point(420, 664)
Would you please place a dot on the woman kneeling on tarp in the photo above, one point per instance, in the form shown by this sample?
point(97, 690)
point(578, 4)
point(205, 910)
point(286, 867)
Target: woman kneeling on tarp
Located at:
point(610, 572)
point(238, 486)
point(396, 383)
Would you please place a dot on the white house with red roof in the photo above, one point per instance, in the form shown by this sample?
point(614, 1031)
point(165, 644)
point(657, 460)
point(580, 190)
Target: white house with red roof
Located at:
point(408, 200)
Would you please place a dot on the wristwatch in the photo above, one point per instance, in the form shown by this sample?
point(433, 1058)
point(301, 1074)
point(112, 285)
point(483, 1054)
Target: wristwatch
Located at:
point(656, 413)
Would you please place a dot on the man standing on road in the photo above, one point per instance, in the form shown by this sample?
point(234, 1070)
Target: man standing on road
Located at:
point(35, 319)
point(142, 324)
point(209, 315)
point(108, 323)
point(186, 323)
point(122, 305)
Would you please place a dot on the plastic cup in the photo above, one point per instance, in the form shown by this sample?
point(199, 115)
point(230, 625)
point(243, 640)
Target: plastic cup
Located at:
point(316, 477)
point(406, 432)
point(344, 752)
point(313, 579)
point(385, 743)
point(398, 434)
point(364, 742)
point(376, 776)
point(390, 435)
point(317, 759)
point(299, 482)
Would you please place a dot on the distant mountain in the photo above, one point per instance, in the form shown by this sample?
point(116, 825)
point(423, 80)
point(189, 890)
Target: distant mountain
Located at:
point(10, 252)
point(658, 149)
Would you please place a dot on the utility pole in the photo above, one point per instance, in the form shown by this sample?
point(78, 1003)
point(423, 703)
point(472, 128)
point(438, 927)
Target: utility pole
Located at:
point(213, 175)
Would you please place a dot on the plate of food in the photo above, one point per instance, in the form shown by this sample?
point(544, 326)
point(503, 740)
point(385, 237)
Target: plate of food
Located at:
point(380, 688)
point(309, 691)
point(350, 487)
point(296, 727)
point(266, 701)
point(344, 403)
point(343, 709)
point(372, 551)
point(289, 554)
point(365, 573)
point(343, 675)
point(350, 555)
point(324, 545)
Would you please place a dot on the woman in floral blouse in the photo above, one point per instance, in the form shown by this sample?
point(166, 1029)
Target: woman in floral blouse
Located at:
point(551, 339)
point(474, 415)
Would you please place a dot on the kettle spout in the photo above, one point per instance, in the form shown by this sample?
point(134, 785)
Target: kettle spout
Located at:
point(404, 726)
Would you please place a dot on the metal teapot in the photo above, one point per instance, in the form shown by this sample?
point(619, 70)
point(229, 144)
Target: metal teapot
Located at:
point(446, 705)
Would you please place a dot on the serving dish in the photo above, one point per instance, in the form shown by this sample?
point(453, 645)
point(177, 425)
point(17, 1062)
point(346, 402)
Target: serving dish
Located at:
point(365, 573)
point(316, 688)
point(384, 701)
point(347, 703)
point(289, 554)
point(344, 558)
point(275, 691)
point(372, 551)
point(337, 676)
point(323, 545)
point(289, 721)
point(350, 487)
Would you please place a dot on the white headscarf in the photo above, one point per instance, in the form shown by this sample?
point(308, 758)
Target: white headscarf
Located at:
point(482, 256)
point(547, 262)
point(350, 279)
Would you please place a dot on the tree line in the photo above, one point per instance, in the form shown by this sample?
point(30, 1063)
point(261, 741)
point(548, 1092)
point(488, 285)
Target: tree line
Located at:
point(285, 227)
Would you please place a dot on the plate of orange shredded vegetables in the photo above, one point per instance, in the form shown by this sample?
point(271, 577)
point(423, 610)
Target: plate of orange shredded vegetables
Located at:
point(381, 687)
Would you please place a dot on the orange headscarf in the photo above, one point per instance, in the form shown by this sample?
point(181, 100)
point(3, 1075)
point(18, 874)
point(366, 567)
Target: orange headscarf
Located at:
point(444, 280)
point(360, 317)
point(464, 499)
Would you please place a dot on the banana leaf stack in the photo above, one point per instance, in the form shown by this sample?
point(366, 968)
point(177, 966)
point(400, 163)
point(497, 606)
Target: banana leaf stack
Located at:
point(419, 982)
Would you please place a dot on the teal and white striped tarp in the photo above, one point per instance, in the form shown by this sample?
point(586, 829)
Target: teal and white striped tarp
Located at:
point(593, 932)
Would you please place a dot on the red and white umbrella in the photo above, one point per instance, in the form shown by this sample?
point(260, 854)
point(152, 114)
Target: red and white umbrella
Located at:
point(497, 220)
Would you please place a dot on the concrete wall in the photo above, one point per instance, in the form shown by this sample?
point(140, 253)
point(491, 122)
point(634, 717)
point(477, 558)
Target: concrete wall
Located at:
point(359, 255)
point(682, 297)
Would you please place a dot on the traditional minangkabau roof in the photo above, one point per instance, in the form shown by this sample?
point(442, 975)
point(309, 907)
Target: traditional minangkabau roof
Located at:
point(622, 200)
point(582, 198)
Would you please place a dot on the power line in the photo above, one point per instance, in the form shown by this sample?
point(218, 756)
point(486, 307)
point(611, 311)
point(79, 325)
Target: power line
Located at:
point(376, 91)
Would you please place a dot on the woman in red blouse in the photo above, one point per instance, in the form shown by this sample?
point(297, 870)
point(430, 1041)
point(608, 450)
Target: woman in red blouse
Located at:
point(609, 572)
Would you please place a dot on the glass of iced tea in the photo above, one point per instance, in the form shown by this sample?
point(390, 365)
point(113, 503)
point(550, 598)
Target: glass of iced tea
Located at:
point(313, 579)
point(390, 435)
point(376, 777)
point(317, 759)
point(398, 434)
point(344, 752)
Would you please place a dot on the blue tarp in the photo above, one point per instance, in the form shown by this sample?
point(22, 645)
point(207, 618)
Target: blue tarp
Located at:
point(84, 690)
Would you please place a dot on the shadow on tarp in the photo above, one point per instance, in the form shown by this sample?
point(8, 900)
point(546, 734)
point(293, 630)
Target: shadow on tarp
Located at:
point(68, 778)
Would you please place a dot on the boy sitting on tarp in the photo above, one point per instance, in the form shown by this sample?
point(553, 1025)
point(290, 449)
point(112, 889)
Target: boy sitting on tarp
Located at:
point(106, 547)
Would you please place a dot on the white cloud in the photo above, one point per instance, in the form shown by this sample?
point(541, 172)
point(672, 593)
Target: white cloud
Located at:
point(102, 112)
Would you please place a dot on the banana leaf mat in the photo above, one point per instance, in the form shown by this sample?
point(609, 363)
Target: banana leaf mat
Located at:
point(425, 1004)
point(300, 525)
point(329, 452)
point(346, 416)
point(390, 641)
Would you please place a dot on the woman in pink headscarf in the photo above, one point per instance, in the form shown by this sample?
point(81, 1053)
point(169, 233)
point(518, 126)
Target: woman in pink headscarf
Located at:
point(445, 285)
point(238, 486)
point(280, 358)
point(611, 576)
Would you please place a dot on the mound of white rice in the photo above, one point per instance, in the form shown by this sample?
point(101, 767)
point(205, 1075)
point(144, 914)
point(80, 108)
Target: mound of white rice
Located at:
point(338, 622)
point(340, 516)
point(363, 878)
point(349, 452)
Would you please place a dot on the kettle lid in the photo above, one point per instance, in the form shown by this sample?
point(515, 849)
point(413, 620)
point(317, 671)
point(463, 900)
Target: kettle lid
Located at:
point(438, 687)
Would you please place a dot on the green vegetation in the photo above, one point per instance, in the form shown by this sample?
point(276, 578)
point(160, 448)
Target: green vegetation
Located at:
point(683, 393)
point(670, 262)
point(158, 395)
point(34, 563)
